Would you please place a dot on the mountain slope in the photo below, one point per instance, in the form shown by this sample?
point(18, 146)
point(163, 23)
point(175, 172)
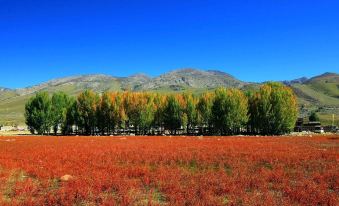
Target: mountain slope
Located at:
point(320, 90)
point(191, 78)
point(134, 82)
point(327, 83)
point(320, 94)
point(73, 85)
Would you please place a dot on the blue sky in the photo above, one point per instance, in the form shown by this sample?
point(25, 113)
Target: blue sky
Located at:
point(252, 40)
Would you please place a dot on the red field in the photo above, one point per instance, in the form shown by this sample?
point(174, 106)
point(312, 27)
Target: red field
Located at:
point(169, 170)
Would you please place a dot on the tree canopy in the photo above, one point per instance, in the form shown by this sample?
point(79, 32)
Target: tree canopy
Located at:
point(273, 109)
point(314, 117)
point(270, 110)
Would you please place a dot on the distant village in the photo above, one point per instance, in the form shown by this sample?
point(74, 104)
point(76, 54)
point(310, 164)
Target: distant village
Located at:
point(303, 125)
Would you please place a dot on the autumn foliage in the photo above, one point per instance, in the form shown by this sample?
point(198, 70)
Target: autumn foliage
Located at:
point(151, 170)
point(270, 110)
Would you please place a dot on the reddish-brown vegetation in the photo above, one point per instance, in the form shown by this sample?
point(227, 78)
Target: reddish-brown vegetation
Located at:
point(169, 170)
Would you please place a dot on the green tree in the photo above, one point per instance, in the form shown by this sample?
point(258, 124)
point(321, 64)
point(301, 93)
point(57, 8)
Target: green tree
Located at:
point(253, 113)
point(38, 113)
point(285, 109)
point(204, 108)
point(146, 111)
point(172, 114)
point(273, 109)
point(131, 110)
point(60, 104)
point(190, 110)
point(314, 117)
point(86, 106)
point(229, 111)
point(72, 117)
point(140, 111)
point(104, 114)
point(260, 111)
point(159, 104)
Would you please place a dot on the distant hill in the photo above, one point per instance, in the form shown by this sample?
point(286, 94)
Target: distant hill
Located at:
point(296, 81)
point(191, 78)
point(318, 93)
point(327, 83)
point(321, 94)
point(319, 90)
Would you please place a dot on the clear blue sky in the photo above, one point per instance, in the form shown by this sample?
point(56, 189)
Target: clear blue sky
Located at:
point(252, 40)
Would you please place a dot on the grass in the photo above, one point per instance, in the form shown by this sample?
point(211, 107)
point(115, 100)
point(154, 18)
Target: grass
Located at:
point(330, 89)
point(326, 119)
point(321, 98)
point(328, 85)
point(12, 110)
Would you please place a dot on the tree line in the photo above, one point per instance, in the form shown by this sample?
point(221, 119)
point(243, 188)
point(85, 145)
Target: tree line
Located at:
point(271, 110)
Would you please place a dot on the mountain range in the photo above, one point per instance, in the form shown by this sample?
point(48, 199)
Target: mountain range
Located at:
point(319, 93)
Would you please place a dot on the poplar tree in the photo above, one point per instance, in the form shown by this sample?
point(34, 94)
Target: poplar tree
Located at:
point(273, 109)
point(146, 112)
point(104, 114)
point(190, 111)
point(159, 104)
point(86, 106)
point(229, 111)
point(270, 110)
point(38, 113)
point(72, 117)
point(172, 114)
point(60, 104)
point(204, 109)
